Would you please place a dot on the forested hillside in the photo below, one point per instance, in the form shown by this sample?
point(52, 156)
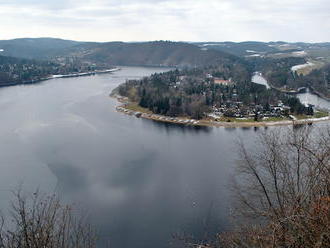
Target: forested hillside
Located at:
point(34, 48)
point(158, 53)
point(13, 70)
point(319, 80)
point(16, 71)
point(278, 71)
point(279, 74)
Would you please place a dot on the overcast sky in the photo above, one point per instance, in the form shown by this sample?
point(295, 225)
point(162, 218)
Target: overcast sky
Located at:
point(180, 20)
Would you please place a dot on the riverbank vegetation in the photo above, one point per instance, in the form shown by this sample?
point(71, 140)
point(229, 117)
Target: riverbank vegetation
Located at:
point(13, 70)
point(20, 71)
point(42, 221)
point(282, 191)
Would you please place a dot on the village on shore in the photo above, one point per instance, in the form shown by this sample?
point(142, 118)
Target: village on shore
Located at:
point(215, 120)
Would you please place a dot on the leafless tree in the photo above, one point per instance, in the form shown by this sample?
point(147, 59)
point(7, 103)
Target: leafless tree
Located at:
point(40, 221)
point(283, 190)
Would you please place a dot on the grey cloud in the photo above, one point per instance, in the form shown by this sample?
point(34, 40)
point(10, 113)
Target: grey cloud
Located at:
point(172, 19)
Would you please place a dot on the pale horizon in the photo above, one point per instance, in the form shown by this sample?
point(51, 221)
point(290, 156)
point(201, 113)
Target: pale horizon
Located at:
point(183, 41)
point(186, 20)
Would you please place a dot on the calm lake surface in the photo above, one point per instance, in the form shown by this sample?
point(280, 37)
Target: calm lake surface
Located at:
point(140, 181)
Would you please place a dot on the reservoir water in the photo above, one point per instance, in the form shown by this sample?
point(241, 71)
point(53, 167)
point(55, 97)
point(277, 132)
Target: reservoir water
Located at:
point(310, 98)
point(139, 181)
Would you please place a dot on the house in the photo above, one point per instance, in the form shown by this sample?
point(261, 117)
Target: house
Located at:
point(222, 81)
point(209, 76)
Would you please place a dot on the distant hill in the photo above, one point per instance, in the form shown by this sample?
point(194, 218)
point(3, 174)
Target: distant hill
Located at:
point(158, 53)
point(239, 48)
point(279, 49)
point(34, 48)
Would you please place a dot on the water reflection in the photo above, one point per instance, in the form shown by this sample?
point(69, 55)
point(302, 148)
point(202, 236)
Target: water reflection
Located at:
point(175, 127)
point(246, 128)
point(310, 98)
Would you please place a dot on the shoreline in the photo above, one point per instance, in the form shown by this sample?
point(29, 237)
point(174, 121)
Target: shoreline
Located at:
point(208, 123)
point(319, 94)
point(297, 91)
point(82, 74)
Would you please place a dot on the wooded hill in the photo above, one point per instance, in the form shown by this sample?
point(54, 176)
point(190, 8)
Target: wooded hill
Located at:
point(20, 71)
point(35, 48)
point(156, 53)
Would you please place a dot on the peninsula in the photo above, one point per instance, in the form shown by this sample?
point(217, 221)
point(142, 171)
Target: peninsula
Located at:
point(219, 95)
